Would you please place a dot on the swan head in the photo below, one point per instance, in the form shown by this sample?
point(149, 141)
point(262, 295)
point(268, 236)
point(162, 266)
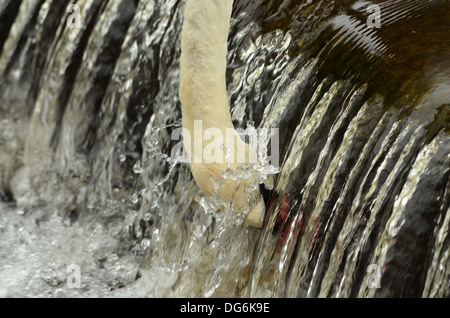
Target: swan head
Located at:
point(240, 193)
point(235, 184)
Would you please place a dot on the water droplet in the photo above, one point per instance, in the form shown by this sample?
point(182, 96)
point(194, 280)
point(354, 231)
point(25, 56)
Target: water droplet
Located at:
point(137, 169)
point(145, 243)
point(134, 199)
point(122, 158)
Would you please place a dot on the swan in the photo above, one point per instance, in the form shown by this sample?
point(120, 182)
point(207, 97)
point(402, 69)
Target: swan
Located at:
point(204, 100)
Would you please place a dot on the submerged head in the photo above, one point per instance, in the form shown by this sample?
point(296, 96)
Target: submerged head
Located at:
point(235, 184)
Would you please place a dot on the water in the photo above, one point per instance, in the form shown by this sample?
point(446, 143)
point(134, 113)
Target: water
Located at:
point(87, 177)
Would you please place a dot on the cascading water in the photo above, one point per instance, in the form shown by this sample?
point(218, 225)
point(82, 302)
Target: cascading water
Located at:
point(88, 103)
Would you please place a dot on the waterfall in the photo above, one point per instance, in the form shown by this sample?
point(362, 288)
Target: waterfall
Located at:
point(89, 102)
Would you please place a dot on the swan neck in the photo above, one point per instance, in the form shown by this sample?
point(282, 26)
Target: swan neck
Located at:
point(204, 41)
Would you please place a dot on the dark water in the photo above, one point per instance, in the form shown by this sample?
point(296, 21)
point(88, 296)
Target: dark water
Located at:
point(86, 115)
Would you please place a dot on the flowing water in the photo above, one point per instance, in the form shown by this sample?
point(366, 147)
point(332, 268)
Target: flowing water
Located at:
point(88, 102)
